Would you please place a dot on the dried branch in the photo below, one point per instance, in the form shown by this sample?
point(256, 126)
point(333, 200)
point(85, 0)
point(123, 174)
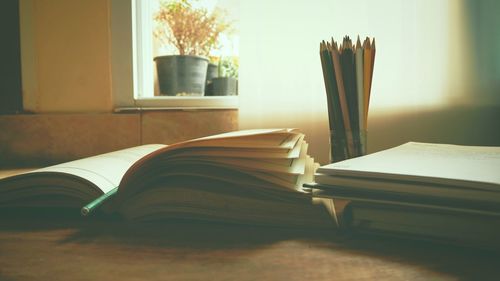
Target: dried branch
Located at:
point(192, 31)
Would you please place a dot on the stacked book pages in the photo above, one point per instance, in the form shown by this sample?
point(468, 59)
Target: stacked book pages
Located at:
point(441, 192)
point(244, 177)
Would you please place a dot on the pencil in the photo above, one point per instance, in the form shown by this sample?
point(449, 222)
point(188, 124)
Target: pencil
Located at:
point(337, 134)
point(89, 208)
point(342, 98)
point(360, 94)
point(372, 61)
point(367, 63)
point(349, 78)
point(328, 86)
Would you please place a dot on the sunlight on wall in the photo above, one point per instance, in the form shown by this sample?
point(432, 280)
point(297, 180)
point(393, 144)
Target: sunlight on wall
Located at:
point(280, 45)
point(281, 82)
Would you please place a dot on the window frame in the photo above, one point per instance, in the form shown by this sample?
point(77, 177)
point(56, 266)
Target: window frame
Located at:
point(128, 65)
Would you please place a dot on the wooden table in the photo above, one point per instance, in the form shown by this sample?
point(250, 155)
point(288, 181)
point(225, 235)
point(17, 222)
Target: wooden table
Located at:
point(48, 248)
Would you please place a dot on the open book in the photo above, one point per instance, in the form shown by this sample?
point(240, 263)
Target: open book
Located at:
point(448, 192)
point(252, 176)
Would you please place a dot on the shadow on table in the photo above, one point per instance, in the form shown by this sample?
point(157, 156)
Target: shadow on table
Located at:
point(188, 237)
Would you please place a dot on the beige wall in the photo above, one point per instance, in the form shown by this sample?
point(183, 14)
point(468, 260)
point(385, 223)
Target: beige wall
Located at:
point(426, 68)
point(69, 70)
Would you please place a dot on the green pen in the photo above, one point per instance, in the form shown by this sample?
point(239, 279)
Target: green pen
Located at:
point(90, 207)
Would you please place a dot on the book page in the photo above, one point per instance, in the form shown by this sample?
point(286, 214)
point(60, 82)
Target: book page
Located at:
point(222, 152)
point(13, 172)
point(246, 133)
point(406, 187)
point(467, 166)
point(270, 138)
point(105, 170)
point(287, 139)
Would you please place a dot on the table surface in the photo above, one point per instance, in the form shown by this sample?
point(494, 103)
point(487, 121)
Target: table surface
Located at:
point(51, 247)
point(68, 248)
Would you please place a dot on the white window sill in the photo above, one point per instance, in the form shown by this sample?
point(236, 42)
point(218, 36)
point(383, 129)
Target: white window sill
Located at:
point(184, 103)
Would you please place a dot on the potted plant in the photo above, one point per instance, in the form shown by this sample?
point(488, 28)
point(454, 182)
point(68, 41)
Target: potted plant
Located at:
point(226, 82)
point(193, 32)
point(212, 72)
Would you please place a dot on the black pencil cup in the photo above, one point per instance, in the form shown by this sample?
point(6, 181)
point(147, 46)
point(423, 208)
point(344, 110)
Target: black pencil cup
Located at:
point(347, 145)
point(338, 147)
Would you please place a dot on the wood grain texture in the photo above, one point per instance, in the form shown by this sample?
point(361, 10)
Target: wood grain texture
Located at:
point(72, 249)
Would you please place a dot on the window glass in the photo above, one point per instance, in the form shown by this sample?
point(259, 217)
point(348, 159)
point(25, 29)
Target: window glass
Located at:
point(207, 28)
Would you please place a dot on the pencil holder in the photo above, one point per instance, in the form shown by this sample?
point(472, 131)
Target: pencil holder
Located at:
point(359, 144)
point(348, 144)
point(363, 137)
point(338, 146)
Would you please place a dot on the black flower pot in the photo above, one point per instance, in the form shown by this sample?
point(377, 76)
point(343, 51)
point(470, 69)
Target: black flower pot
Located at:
point(181, 75)
point(211, 74)
point(224, 86)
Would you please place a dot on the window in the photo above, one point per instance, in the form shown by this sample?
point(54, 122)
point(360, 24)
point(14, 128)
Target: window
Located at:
point(133, 68)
